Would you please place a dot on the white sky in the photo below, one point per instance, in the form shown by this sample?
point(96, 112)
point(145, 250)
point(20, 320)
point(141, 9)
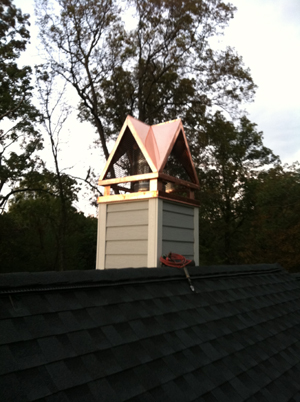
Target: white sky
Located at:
point(266, 33)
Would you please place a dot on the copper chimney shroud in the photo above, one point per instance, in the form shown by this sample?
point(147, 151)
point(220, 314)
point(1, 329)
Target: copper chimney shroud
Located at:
point(150, 161)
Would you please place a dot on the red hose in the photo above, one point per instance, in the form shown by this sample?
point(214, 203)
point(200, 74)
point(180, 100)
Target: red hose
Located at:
point(174, 260)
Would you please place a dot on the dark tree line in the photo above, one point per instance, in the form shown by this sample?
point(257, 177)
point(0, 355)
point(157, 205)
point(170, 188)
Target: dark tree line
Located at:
point(160, 68)
point(248, 200)
point(30, 234)
point(40, 229)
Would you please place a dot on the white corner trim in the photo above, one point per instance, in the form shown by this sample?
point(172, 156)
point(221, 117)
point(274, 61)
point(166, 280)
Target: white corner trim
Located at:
point(196, 236)
point(154, 232)
point(101, 236)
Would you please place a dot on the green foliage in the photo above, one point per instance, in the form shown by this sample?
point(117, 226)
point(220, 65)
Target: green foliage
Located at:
point(41, 230)
point(14, 82)
point(165, 68)
point(229, 159)
point(162, 69)
point(248, 214)
point(46, 184)
point(273, 229)
point(18, 137)
point(29, 234)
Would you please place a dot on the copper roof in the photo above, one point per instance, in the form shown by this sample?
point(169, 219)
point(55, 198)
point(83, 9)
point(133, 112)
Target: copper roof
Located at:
point(156, 142)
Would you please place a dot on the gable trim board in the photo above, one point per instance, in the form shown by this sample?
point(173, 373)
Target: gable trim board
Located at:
point(142, 335)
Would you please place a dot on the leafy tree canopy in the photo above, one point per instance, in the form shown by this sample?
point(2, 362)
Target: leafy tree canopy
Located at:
point(31, 227)
point(230, 158)
point(19, 138)
point(273, 229)
point(166, 68)
point(162, 68)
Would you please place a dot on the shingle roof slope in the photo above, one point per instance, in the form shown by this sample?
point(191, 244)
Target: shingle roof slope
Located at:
point(143, 335)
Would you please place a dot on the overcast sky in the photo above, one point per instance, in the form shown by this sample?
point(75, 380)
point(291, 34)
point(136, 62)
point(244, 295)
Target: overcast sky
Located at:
point(267, 34)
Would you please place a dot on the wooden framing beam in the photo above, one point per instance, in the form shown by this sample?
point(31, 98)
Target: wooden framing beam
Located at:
point(142, 195)
point(149, 176)
point(119, 180)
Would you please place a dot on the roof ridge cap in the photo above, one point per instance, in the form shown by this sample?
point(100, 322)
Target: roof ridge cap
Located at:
point(162, 275)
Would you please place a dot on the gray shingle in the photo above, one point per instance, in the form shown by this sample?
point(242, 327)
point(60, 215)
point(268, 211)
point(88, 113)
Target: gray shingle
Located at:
point(141, 334)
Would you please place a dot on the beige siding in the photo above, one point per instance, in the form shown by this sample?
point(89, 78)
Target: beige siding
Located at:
point(126, 261)
point(126, 235)
point(178, 234)
point(184, 248)
point(178, 229)
point(126, 247)
point(137, 233)
point(127, 218)
point(178, 208)
point(127, 206)
point(173, 219)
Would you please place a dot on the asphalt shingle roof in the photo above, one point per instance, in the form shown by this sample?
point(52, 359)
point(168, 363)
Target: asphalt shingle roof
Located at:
point(143, 335)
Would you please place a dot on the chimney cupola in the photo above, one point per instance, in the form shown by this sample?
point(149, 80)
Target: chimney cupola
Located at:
point(148, 207)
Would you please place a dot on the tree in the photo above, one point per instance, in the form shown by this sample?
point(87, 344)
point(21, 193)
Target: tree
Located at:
point(164, 68)
point(29, 234)
point(36, 221)
point(75, 41)
point(229, 159)
point(54, 113)
point(18, 137)
point(273, 229)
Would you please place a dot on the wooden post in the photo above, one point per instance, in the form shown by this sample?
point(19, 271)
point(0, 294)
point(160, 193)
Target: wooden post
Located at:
point(106, 190)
